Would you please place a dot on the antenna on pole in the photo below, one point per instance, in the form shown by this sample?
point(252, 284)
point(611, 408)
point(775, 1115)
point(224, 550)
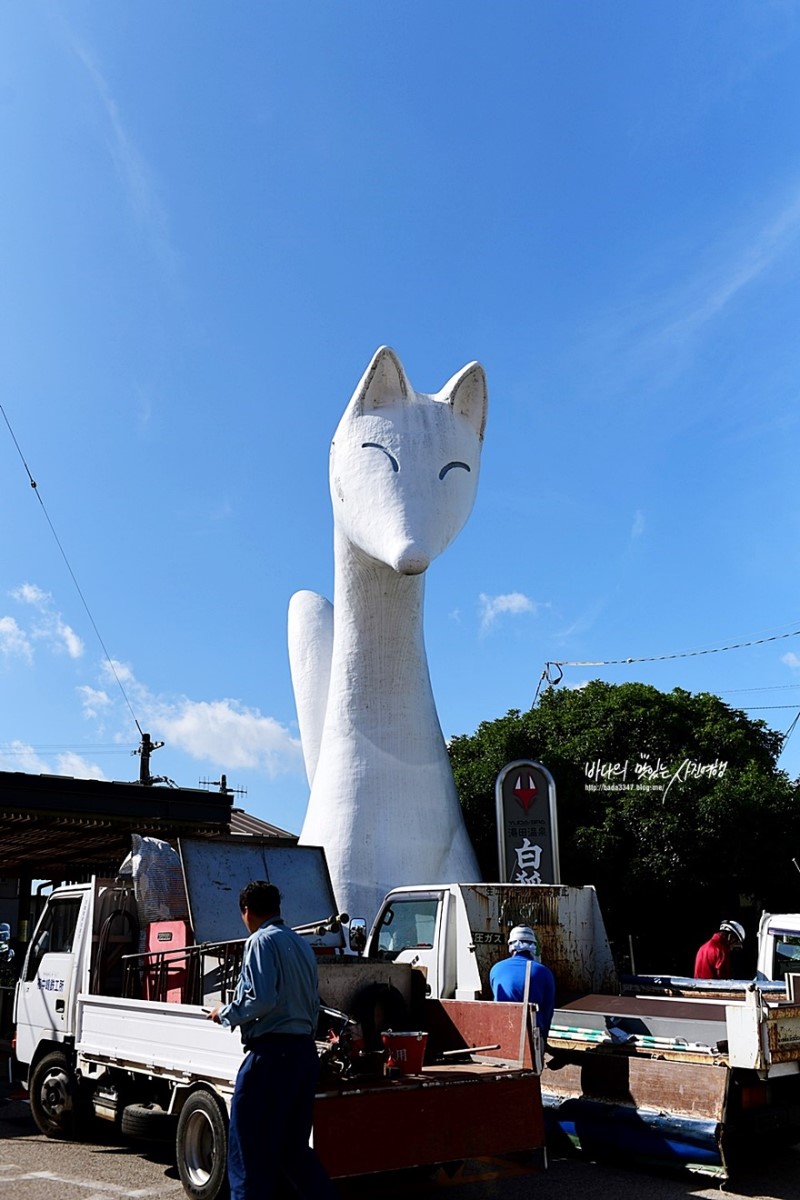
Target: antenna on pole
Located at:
point(222, 784)
point(144, 750)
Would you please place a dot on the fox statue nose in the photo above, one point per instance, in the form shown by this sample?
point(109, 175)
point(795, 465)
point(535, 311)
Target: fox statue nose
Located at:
point(410, 559)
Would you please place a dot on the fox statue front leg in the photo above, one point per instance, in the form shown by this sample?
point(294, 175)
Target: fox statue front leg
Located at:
point(310, 649)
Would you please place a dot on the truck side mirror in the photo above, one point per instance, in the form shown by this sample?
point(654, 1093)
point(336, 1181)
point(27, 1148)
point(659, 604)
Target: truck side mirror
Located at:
point(357, 936)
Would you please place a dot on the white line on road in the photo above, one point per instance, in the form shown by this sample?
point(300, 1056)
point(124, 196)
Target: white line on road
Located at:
point(101, 1190)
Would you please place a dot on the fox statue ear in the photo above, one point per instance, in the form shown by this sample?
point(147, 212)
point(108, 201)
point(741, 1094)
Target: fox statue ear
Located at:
point(384, 382)
point(469, 395)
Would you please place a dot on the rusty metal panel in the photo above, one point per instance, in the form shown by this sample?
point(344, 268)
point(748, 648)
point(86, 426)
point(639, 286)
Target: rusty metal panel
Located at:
point(459, 1114)
point(458, 1024)
point(783, 1032)
point(681, 1089)
point(567, 920)
point(762, 1034)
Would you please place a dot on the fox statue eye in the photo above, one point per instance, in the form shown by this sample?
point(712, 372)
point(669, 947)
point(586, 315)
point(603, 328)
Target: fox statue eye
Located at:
point(378, 446)
point(450, 466)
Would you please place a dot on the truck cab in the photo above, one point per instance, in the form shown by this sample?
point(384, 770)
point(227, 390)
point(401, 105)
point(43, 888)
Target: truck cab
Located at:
point(778, 945)
point(78, 945)
point(454, 933)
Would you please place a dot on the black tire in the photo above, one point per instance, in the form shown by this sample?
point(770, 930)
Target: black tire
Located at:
point(201, 1147)
point(377, 1007)
point(148, 1123)
point(57, 1105)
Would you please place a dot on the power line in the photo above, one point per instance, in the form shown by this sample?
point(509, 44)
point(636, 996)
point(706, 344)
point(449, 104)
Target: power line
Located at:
point(16, 749)
point(765, 707)
point(93, 746)
point(35, 487)
point(790, 731)
point(775, 687)
point(553, 680)
point(616, 662)
point(559, 665)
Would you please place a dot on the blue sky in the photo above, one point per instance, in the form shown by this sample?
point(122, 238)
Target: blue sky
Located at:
point(211, 215)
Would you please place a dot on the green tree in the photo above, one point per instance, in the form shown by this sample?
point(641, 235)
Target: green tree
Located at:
point(699, 825)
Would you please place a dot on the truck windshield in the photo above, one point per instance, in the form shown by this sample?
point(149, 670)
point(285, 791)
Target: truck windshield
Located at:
point(406, 925)
point(787, 954)
point(55, 932)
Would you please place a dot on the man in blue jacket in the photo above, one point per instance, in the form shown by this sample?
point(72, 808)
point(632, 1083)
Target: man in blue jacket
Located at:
point(507, 977)
point(275, 1007)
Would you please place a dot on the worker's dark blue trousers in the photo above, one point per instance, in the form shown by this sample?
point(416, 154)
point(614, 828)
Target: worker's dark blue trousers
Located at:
point(271, 1115)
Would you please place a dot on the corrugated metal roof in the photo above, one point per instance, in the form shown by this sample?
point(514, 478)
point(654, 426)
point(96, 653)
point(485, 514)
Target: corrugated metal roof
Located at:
point(244, 824)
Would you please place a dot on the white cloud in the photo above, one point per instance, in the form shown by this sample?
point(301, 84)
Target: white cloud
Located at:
point(585, 620)
point(13, 640)
point(132, 168)
point(118, 672)
point(29, 593)
point(791, 660)
point(229, 734)
point(19, 756)
point(638, 525)
point(94, 701)
point(658, 326)
point(144, 409)
point(510, 604)
point(79, 767)
point(758, 249)
point(225, 732)
point(72, 643)
point(49, 627)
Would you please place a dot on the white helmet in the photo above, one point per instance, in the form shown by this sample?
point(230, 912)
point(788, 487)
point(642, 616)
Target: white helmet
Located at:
point(734, 928)
point(522, 940)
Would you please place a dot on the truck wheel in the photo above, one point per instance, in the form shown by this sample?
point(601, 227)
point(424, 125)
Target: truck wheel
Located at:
point(56, 1102)
point(148, 1123)
point(202, 1147)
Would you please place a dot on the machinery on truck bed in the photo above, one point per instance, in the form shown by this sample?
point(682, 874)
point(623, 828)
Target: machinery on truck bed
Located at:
point(669, 1071)
point(108, 1027)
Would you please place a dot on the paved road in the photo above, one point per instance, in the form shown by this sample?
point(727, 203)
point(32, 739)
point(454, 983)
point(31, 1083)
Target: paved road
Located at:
point(35, 1168)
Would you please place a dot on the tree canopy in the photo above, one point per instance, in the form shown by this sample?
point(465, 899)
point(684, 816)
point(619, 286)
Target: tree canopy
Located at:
point(671, 803)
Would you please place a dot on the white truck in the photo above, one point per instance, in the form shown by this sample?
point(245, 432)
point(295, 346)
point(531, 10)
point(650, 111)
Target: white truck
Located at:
point(653, 1069)
point(103, 1030)
point(778, 946)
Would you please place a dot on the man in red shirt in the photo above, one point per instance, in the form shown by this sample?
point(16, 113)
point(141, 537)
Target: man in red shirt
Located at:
point(713, 960)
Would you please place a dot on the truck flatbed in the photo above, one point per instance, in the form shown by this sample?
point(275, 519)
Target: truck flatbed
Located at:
point(655, 1077)
point(487, 1107)
point(644, 1019)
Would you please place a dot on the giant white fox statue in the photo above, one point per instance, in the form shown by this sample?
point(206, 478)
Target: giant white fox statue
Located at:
point(403, 475)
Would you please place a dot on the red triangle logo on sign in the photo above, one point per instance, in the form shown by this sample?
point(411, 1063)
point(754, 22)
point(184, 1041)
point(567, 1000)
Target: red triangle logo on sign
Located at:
point(525, 795)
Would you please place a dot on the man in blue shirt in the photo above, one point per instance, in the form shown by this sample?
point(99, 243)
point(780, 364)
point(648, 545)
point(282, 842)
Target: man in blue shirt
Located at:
point(507, 977)
point(275, 1007)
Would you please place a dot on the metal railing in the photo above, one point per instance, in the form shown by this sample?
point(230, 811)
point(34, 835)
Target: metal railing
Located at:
point(190, 974)
point(195, 974)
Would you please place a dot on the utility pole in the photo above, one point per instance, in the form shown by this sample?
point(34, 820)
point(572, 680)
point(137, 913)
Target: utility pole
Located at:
point(144, 750)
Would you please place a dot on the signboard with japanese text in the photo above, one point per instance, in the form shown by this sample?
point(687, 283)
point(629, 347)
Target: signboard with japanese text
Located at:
point(527, 827)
